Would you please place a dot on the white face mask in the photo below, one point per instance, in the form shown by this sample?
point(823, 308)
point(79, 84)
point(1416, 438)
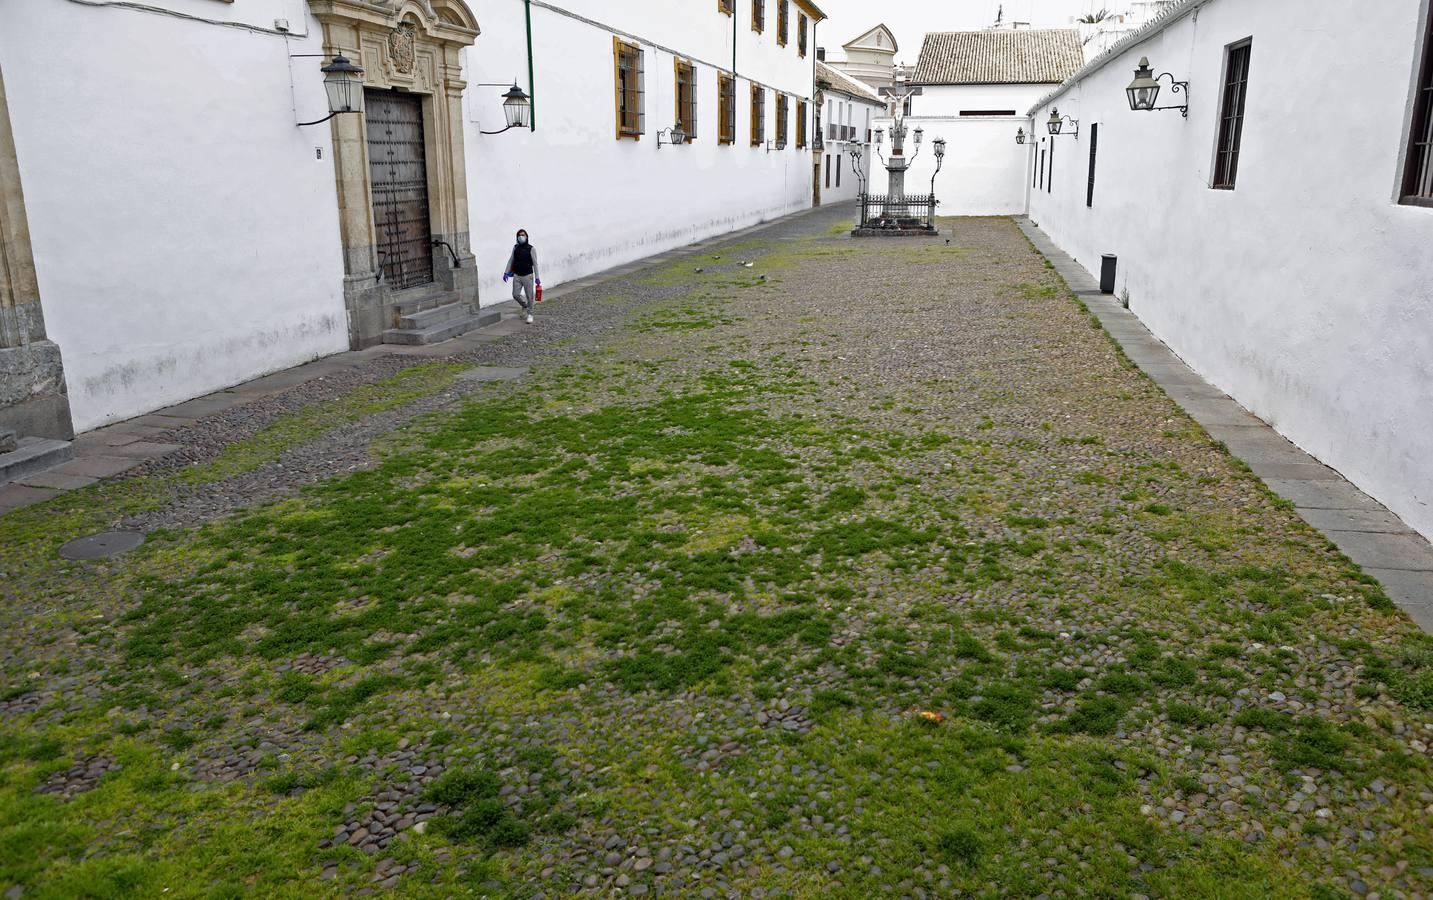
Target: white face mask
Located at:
point(522, 239)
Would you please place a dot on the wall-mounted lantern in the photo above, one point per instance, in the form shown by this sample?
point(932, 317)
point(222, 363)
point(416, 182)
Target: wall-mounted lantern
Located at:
point(1144, 90)
point(517, 109)
point(1020, 136)
point(1057, 124)
point(675, 135)
point(343, 82)
point(938, 145)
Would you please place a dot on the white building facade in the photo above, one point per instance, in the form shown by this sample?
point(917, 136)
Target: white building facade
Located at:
point(870, 57)
point(848, 110)
point(976, 88)
point(199, 236)
point(1284, 252)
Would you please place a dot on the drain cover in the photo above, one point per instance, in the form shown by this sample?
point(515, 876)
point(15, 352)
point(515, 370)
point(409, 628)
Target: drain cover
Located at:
point(102, 545)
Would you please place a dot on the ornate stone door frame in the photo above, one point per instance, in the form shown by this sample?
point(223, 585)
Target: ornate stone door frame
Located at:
point(407, 45)
point(33, 398)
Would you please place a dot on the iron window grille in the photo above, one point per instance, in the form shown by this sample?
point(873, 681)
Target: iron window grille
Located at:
point(631, 120)
point(782, 113)
point(1094, 143)
point(758, 15)
point(783, 21)
point(1231, 116)
point(726, 114)
point(687, 98)
point(1418, 178)
point(800, 124)
point(758, 115)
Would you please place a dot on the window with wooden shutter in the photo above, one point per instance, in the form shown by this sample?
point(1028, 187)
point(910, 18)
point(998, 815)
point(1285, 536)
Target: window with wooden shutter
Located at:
point(687, 98)
point(758, 115)
point(783, 21)
point(726, 109)
point(1094, 145)
point(726, 7)
point(801, 30)
point(1231, 116)
point(800, 124)
point(782, 113)
point(627, 61)
point(1418, 179)
point(758, 15)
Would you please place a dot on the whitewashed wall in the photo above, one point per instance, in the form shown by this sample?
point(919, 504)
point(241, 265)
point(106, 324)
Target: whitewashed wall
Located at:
point(1305, 292)
point(590, 201)
point(859, 113)
point(185, 234)
point(985, 172)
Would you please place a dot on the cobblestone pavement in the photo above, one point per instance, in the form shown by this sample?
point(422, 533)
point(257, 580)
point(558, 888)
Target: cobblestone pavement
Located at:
point(801, 566)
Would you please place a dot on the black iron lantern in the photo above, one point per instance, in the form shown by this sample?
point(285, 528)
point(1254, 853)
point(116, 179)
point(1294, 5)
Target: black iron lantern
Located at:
point(1020, 136)
point(880, 133)
point(1055, 122)
point(939, 146)
point(343, 82)
point(920, 132)
point(517, 107)
point(1144, 90)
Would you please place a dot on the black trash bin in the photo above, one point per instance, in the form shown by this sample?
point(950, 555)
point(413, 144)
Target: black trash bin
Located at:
point(1108, 262)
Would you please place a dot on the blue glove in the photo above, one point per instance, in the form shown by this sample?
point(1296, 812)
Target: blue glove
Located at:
point(506, 276)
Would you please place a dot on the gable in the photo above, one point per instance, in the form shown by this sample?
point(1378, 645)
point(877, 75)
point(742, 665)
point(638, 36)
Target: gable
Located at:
point(880, 39)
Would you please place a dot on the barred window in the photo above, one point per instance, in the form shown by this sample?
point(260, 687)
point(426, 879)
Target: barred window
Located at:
point(801, 30)
point(687, 98)
point(627, 62)
point(783, 21)
point(758, 115)
point(726, 109)
point(1231, 116)
point(781, 120)
point(800, 124)
point(1418, 179)
point(758, 15)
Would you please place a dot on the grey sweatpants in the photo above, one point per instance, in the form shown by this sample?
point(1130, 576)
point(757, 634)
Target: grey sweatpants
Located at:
point(524, 291)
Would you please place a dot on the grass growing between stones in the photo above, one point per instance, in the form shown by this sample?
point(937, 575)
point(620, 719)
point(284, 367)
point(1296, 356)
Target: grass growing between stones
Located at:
point(766, 594)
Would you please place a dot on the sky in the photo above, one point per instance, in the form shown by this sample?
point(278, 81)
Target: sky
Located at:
point(911, 19)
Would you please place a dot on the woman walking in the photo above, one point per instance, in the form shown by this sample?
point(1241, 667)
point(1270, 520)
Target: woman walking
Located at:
point(522, 269)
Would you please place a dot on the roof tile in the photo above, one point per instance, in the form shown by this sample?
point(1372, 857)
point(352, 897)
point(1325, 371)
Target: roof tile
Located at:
point(1032, 56)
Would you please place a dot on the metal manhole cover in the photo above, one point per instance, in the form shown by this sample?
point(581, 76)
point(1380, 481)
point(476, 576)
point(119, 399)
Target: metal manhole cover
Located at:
point(102, 545)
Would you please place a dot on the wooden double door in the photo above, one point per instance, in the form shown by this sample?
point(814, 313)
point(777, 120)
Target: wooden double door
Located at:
point(398, 170)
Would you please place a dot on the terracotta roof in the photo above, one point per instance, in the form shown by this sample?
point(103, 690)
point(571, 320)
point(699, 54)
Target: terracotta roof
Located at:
point(1031, 56)
point(840, 81)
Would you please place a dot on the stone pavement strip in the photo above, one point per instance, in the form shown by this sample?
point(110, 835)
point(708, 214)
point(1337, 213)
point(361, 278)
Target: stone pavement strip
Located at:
point(1361, 527)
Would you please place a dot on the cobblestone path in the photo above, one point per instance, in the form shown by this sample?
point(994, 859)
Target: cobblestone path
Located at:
point(803, 567)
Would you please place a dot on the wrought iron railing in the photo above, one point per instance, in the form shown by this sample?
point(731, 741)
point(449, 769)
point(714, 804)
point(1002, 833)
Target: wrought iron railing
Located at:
point(916, 212)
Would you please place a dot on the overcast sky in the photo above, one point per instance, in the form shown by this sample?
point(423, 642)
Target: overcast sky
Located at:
point(911, 19)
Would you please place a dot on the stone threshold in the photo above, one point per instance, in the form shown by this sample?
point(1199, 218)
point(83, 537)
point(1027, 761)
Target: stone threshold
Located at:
point(116, 448)
point(1361, 527)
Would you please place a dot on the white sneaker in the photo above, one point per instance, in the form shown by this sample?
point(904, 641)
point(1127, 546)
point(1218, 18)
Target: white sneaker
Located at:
point(529, 318)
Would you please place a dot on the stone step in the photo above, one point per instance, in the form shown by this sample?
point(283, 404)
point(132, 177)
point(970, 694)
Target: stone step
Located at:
point(439, 333)
point(33, 455)
point(432, 318)
point(419, 300)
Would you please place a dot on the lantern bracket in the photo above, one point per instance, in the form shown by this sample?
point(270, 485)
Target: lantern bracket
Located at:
point(1175, 87)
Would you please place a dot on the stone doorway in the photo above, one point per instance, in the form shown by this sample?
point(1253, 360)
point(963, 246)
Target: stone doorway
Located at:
point(409, 275)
